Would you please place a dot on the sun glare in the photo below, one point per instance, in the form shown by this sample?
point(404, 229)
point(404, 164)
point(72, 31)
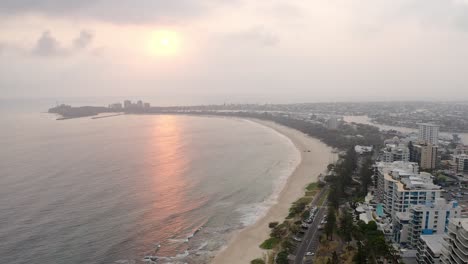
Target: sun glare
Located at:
point(164, 43)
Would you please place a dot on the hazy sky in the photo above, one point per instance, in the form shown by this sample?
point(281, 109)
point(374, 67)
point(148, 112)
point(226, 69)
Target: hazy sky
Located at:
point(270, 50)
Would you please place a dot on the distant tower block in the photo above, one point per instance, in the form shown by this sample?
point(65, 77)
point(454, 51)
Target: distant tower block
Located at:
point(429, 133)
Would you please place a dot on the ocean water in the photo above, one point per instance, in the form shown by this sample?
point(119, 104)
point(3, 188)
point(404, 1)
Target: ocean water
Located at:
point(111, 190)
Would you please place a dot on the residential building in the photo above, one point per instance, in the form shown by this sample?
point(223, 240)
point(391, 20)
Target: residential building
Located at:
point(363, 149)
point(461, 163)
point(424, 154)
point(460, 149)
point(393, 152)
point(430, 249)
point(116, 106)
point(399, 185)
point(332, 123)
point(423, 219)
point(455, 249)
point(127, 104)
point(384, 168)
point(428, 157)
point(429, 133)
point(139, 104)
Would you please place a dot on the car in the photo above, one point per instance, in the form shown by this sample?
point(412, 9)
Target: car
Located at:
point(323, 222)
point(305, 225)
point(298, 239)
point(320, 227)
point(310, 253)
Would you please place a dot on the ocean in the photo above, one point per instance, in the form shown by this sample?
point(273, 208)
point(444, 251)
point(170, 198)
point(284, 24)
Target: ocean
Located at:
point(115, 190)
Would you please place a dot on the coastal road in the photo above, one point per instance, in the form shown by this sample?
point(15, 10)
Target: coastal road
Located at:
point(310, 241)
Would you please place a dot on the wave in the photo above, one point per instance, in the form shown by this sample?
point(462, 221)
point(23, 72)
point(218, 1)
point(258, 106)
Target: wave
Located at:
point(251, 213)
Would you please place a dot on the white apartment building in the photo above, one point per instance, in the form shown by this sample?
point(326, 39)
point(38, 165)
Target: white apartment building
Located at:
point(430, 249)
point(455, 249)
point(394, 152)
point(384, 168)
point(429, 133)
point(332, 123)
point(461, 163)
point(428, 219)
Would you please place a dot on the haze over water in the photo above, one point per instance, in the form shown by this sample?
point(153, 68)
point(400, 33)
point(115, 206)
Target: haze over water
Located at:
point(107, 190)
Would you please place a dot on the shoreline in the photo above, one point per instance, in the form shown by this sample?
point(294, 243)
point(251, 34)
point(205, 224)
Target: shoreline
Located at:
point(243, 246)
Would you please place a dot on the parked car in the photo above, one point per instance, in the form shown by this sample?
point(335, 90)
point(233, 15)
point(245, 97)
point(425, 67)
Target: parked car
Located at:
point(298, 239)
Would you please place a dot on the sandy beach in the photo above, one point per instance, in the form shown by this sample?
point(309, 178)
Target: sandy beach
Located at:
point(244, 245)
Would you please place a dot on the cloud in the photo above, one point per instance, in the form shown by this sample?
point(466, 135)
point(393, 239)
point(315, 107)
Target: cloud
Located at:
point(117, 11)
point(83, 40)
point(257, 35)
point(47, 45)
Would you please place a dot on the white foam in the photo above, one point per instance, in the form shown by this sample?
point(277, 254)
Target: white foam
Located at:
point(251, 213)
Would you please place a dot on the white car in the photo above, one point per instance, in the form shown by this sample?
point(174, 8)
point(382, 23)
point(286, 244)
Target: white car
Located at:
point(310, 253)
point(298, 239)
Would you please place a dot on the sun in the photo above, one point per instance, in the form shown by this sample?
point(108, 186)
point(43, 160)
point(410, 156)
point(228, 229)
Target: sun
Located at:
point(164, 43)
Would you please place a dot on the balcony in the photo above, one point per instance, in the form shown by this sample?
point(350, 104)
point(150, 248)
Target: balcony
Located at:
point(462, 255)
point(461, 242)
point(454, 256)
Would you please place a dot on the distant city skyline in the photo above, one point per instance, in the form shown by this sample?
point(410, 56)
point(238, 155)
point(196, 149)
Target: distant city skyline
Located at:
point(238, 51)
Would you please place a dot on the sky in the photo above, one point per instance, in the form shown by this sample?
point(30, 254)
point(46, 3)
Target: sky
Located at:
point(265, 51)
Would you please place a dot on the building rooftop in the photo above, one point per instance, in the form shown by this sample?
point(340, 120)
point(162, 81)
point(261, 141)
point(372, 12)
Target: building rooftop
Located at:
point(428, 124)
point(434, 242)
point(462, 222)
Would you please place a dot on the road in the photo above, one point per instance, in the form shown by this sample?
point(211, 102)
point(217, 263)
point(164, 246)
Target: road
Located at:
point(310, 241)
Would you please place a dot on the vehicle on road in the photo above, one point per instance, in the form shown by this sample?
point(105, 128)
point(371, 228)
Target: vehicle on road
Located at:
point(310, 253)
point(298, 239)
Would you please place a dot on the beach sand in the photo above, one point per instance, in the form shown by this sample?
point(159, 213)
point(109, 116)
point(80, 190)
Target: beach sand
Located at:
point(244, 245)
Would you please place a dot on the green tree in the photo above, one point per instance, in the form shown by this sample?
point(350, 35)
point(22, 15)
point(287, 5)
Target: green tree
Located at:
point(366, 173)
point(335, 259)
point(282, 258)
point(346, 226)
point(360, 257)
point(330, 226)
point(257, 261)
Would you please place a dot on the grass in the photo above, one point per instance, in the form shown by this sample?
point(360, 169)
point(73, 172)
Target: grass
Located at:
point(323, 198)
point(304, 200)
point(311, 193)
point(312, 186)
point(270, 243)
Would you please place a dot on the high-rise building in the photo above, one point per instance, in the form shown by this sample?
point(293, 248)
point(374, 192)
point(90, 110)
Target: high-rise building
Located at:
point(428, 156)
point(400, 185)
point(430, 249)
point(429, 133)
point(332, 123)
point(393, 152)
point(127, 104)
point(455, 249)
point(461, 163)
point(430, 218)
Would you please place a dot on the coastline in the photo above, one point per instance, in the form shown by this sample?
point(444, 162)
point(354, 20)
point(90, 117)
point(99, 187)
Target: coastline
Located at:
point(244, 245)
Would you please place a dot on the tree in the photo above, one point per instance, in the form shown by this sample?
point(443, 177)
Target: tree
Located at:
point(366, 175)
point(335, 259)
point(257, 261)
point(346, 226)
point(330, 226)
point(272, 224)
point(361, 256)
point(282, 258)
